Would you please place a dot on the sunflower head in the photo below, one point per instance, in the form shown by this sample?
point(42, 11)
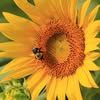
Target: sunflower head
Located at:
point(63, 47)
point(56, 47)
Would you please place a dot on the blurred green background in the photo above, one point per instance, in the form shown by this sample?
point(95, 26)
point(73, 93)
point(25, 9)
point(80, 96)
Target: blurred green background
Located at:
point(9, 6)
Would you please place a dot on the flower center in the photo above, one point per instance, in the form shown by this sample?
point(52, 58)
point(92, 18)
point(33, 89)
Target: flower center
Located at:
point(57, 48)
point(62, 43)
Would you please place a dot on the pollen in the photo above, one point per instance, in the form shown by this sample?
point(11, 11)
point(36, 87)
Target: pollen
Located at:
point(63, 44)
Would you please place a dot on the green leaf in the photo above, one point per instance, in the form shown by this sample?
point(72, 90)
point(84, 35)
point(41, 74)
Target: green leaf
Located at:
point(41, 97)
point(4, 61)
point(21, 96)
point(2, 96)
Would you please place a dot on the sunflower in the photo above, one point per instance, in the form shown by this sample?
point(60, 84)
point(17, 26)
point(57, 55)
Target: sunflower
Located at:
point(55, 47)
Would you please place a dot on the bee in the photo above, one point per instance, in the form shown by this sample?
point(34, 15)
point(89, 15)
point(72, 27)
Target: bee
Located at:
point(38, 53)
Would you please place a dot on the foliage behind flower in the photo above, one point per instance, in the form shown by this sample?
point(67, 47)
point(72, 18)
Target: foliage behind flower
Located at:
point(14, 90)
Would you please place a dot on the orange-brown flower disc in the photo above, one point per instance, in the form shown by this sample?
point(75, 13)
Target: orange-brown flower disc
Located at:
point(62, 43)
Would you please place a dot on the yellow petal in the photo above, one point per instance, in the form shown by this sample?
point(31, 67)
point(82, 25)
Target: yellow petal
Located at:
point(83, 78)
point(91, 16)
point(31, 11)
point(69, 91)
point(10, 32)
point(73, 10)
point(56, 8)
point(16, 33)
point(91, 44)
point(34, 79)
point(51, 89)
point(73, 85)
point(83, 11)
point(18, 74)
point(90, 65)
point(92, 28)
point(65, 7)
point(78, 95)
point(16, 64)
point(91, 80)
point(13, 54)
point(91, 35)
point(30, 28)
point(40, 86)
point(92, 56)
point(13, 46)
point(42, 6)
point(60, 6)
point(20, 21)
point(60, 92)
point(14, 49)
